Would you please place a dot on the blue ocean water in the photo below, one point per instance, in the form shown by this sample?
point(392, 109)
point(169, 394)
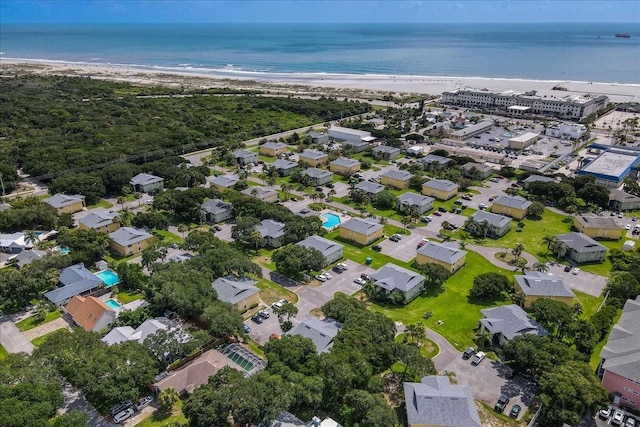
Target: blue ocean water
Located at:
point(583, 52)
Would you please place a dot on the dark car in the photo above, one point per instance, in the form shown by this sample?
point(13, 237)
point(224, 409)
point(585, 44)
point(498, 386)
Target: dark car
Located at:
point(258, 319)
point(320, 189)
point(515, 411)
point(364, 276)
point(468, 353)
point(120, 407)
point(442, 209)
point(376, 248)
point(457, 202)
point(394, 238)
point(502, 403)
point(567, 268)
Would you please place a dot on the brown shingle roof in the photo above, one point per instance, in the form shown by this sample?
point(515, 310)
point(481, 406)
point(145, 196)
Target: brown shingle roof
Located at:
point(86, 311)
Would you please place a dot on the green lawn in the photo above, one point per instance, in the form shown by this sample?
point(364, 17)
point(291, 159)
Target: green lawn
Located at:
point(102, 203)
point(459, 317)
point(127, 297)
point(30, 323)
point(168, 237)
point(428, 348)
point(589, 303)
point(37, 342)
point(271, 292)
point(3, 353)
point(159, 419)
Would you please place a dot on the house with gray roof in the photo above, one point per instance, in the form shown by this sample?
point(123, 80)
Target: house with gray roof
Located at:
point(536, 178)
point(436, 402)
point(583, 248)
point(441, 189)
point(497, 225)
point(64, 203)
point(244, 157)
point(620, 357)
point(27, 257)
point(409, 202)
point(509, 321)
point(321, 332)
point(264, 194)
point(223, 182)
point(318, 176)
point(129, 240)
point(330, 250)
point(433, 162)
point(535, 285)
point(385, 152)
point(448, 256)
point(272, 231)
point(476, 171)
point(273, 148)
point(513, 206)
point(284, 167)
point(357, 146)
point(139, 334)
point(362, 231)
point(216, 210)
point(13, 243)
point(371, 188)
point(318, 137)
point(313, 157)
point(396, 178)
point(146, 183)
point(391, 278)
point(102, 221)
point(239, 291)
point(74, 280)
point(621, 201)
point(344, 166)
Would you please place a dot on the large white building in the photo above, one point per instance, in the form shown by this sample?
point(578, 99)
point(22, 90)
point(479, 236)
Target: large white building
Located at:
point(568, 107)
point(566, 130)
point(349, 135)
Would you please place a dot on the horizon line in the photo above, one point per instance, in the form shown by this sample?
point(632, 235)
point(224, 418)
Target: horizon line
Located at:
point(322, 22)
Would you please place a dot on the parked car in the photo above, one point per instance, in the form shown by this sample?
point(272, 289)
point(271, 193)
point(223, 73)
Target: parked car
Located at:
point(322, 277)
point(119, 407)
point(425, 219)
point(364, 276)
point(360, 281)
point(567, 268)
point(258, 319)
point(605, 413)
point(376, 248)
point(338, 269)
point(630, 422)
point(468, 353)
point(442, 209)
point(617, 419)
point(216, 228)
point(436, 213)
point(478, 358)
point(502, 403)
point(515, 411)
point(575, 271)
point(457, 202)
point(421, 244)
point(123, 415)
point(494, 180)
point(145, 401)
point(264, 313)
point(343, 266)
point(395, 238)
point(246, 328)
point(330, 185)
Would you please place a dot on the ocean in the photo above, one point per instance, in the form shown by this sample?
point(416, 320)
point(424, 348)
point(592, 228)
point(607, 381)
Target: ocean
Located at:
point(567, 52)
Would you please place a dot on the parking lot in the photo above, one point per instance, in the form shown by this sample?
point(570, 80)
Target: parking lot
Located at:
point(404, 250)
point(608, 420)
point(590, 284)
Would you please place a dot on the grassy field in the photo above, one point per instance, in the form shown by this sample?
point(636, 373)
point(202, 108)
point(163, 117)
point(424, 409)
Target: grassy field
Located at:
point(168, 237)
point(37, 342)
point(30, 323)
point(589, 303)
point(127, 297)
point(458, 316)
point(102, 203)
point(271, 292)
point(428, 348)
point(3, 353)
point(159, 419)
point(359, 253)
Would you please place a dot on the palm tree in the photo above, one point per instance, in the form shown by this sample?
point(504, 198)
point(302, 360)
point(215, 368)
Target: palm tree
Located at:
point(560, 249)
point(286, 189)
point(406, 220)
point(540, 266)
point(125, 217)
point(30, 237)
point(183, 228)
point(167, 398)
point(416, 331)
point(483, 337)
point(549, 241)
point(138, 196)
point(369, 289)
point(521, 265)
point(121, 201)
point(517, 250)
point(462, 244)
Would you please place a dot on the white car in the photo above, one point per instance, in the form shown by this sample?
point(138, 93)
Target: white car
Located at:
point(478, 357)
point(343, 266)
point(617, 419)
point(145, 401)
point(627, 227)
point(121, 416)
point(575, 271)
point(360, 281)
point(322, 277)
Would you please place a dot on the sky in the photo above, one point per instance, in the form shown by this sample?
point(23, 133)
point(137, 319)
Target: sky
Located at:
point(311, 11)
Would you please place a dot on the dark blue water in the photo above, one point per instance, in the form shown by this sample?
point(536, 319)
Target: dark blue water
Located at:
point(585, 52)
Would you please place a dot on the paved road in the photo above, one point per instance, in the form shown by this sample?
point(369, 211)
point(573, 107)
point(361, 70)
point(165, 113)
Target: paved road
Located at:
point(12, 339)
point(447, 354)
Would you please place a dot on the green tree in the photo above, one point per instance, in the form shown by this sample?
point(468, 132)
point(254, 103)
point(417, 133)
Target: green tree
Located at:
point(536, 210)
point(362, 408)
point(489, 286)
point(343, 307)
point(294, 260)
point(553, 315)
point(416, 332)
point(167, 398)
point(224, 319)
point(621, 287)
point(435, 275)
point(285, 313)
point(74, 418)
point(385, 200)
point(243, 229)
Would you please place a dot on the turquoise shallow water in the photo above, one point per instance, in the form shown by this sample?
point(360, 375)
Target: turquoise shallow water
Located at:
point(586, 52)
point(108, 277)
point(330, 220)
point(113, 304)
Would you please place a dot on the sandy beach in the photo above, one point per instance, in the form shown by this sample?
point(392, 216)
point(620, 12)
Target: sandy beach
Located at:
point(353, 85)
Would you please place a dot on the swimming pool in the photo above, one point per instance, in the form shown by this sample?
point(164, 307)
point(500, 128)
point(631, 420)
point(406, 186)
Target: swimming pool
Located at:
point(113, 304)
point(331, 220)
point(109, 277)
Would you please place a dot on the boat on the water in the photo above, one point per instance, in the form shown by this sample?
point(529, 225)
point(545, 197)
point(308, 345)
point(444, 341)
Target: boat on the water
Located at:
point(623, 36)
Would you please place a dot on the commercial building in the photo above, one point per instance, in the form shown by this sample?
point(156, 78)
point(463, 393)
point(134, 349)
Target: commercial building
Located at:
point(620, 358)
point(448, 256)
point(396, 178)
point(146, 183)
point(313, 158)
point(441, 189)
point(583, 248)
point(566, 130)
point(344, 166)
point(535, 285)
point(390, 278)
point(470, 131)
point(361, 231)
point(521, 142)
point(507, 322)
point(349, 135)
point(513, 206)
point(127, 241)
point(330, 250)
point(273, 148)
point(318, 137)
point(597, 227)
point(571, 107)
point(612, 166)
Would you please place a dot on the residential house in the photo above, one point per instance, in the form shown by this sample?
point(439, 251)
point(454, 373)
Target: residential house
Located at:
point(507, 322)
point(318, 137)
point(284, 167)
point(385, 152)
point(102, 221)
point(597, 227)
point(13, 243)
point(621, 201)
point(148, 327)
point(357, 146)
point(433, 162)
point(66, 204)
point(344, 166)
point(27, 257)
point(409, 203)
point(396, 178)
point(186, 379)
point(361, 231)
point(287, 419)
point(321, 332)
point(318, 176)
point(535, 285)
point(497, 225)
point(75, 280)
point(313, 158)
point(272, 232)
point(583, 248)
point(371, 188)
point(241, 292)
point(436, 402)
point(330, 250)
point(513, 206)
point(448, 256)
point(273, 148)
point(90, 313)
point(620, 358)
point(441, 189)
point(536, 178)
point(223, 182)
point(146, 183)
point(476, 171)
point(391, 278)
point(216, 210)
point(244, 157)
point(127, 241)
point(265, 194)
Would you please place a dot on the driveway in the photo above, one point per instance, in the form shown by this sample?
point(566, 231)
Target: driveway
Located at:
point(589, 283)
point(405, 249)
point(12, 339)
point(74, 400)
point(47, 328)
point(225, 232)
point(488, 382)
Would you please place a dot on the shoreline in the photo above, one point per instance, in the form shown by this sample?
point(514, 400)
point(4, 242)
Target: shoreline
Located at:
point(373, 85)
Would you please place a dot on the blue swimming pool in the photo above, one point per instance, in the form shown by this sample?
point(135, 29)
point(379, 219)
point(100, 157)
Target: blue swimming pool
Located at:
point(109, 277)
point(113, 304)
point(331, 220)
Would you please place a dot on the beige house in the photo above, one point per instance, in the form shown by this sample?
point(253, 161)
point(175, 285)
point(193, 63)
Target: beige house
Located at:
point(265, 194)
point(91, 313)
point(513, 206)
point(344, 166)
point(535, 285)
point(449, 257)
point(127, 241)
point(66, 204)
point(273, 148)
point(313, 158)
point(241, 292)
point(104, 222)
point(361, 231)
point(598, 228)
point(396, 178)
point(441, 189)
